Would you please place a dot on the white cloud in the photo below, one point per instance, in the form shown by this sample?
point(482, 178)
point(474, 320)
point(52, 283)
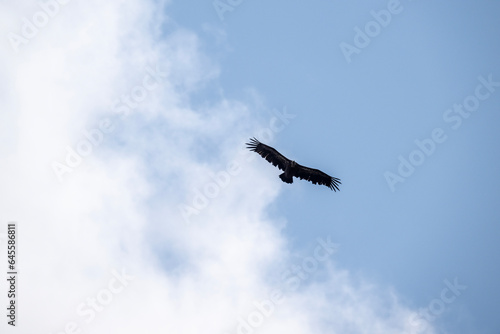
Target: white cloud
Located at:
point(118, 210)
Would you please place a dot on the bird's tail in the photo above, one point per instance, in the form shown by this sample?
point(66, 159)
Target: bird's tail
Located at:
point(286, 179)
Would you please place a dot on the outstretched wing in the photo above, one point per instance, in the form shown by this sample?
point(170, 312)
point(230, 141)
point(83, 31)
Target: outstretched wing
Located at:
point(268, 153)
point(316, 177)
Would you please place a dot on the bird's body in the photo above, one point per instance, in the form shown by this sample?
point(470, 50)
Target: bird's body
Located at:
point(287, 175)
point(292, 169)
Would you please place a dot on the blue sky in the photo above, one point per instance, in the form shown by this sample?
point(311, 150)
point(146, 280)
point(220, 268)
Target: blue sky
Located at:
point(355, 119)
point(165, 94)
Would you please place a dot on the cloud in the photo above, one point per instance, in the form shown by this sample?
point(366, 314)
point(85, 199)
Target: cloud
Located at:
point(106, 249)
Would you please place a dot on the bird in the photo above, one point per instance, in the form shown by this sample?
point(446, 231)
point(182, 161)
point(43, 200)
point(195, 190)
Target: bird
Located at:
point(291, 168)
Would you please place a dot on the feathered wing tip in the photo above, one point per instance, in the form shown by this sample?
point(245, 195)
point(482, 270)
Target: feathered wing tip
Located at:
point(267, 152)
point(252, 145)
point(334, 184)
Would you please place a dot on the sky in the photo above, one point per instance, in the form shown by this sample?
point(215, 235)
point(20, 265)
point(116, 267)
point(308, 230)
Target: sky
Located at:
point(138, 209)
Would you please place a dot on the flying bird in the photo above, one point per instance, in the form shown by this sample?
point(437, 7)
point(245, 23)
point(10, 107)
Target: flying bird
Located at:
point(291, 168)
